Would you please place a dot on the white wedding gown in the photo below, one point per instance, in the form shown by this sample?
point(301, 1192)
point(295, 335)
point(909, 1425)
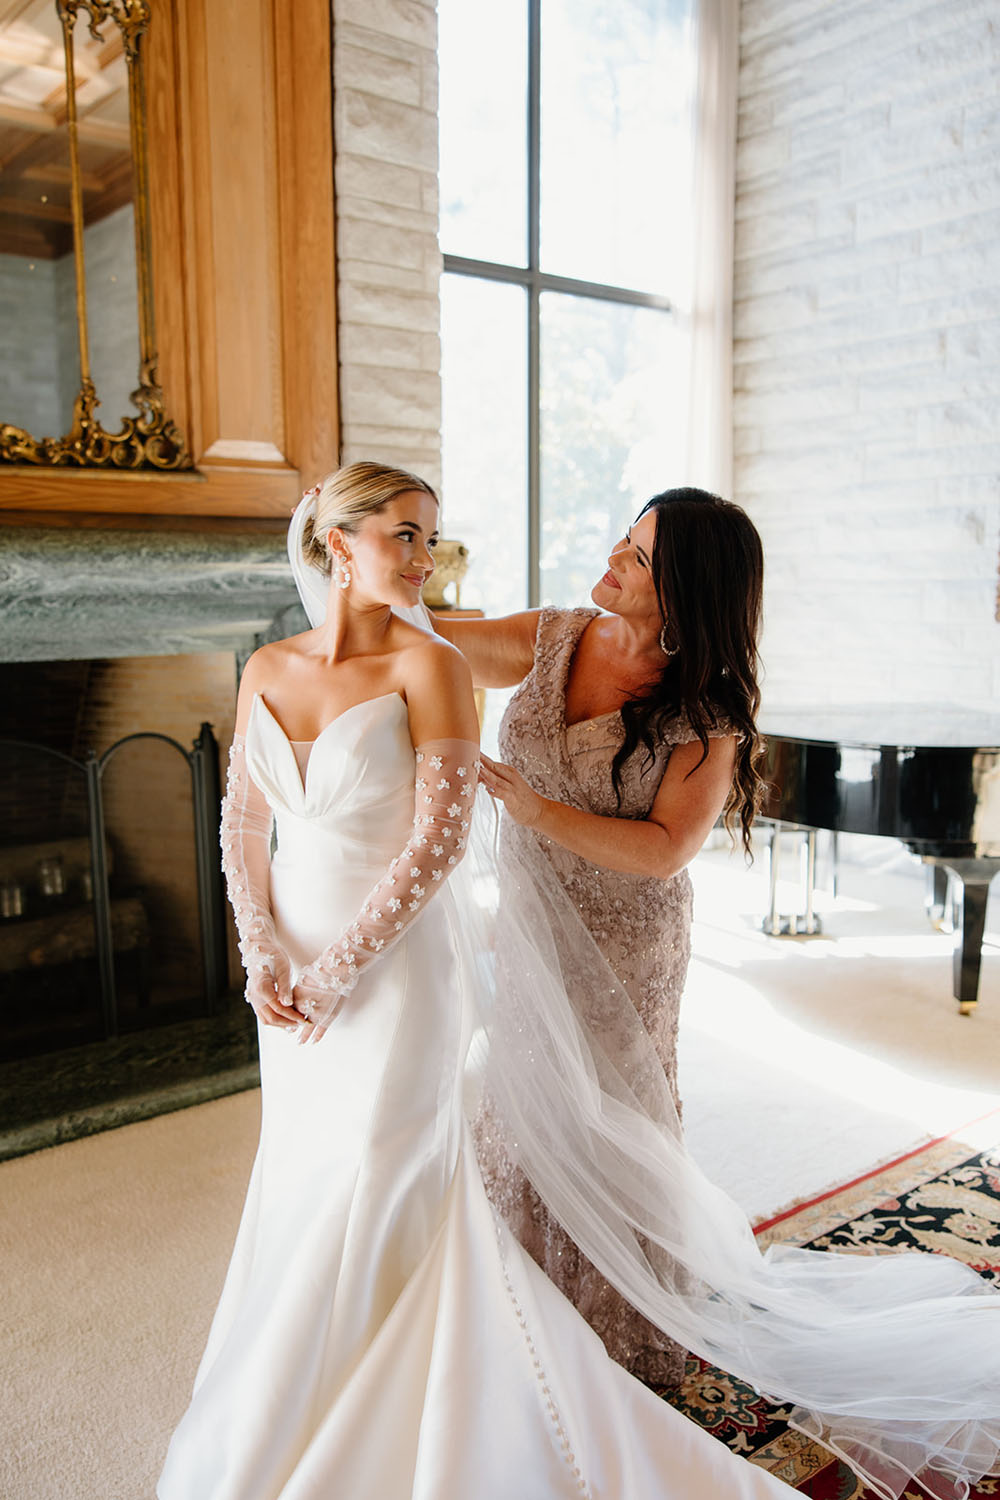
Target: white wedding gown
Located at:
point(380, 1334)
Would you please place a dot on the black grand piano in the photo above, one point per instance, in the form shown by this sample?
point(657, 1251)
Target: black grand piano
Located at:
point(929, 777)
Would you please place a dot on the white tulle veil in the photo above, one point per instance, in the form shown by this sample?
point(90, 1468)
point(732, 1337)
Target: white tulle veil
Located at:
point(892, 1360)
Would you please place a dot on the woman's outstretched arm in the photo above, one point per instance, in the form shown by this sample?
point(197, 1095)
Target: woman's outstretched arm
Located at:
point(689, 800)
point(500, 652)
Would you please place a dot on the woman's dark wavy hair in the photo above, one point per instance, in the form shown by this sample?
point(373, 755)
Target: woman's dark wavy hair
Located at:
point(708, 569)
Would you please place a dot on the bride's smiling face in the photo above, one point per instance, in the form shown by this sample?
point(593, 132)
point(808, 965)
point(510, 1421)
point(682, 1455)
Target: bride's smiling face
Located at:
point(390, 556)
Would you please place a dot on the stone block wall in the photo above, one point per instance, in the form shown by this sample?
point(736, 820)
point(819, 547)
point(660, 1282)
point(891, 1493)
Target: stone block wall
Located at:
point(867, 344)
point(389, 263)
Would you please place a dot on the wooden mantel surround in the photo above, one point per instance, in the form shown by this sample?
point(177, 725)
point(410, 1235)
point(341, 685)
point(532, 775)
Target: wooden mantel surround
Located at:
point(240, 141)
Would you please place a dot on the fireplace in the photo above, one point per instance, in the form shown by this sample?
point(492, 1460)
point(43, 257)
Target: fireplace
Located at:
point(120, 984)
point(112, 910)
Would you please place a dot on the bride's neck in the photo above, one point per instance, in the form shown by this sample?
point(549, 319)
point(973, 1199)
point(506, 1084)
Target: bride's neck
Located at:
point(353, 629)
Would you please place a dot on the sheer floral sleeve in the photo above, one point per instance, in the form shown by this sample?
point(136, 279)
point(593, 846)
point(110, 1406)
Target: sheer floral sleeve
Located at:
point(245, 834)
point(445, 789)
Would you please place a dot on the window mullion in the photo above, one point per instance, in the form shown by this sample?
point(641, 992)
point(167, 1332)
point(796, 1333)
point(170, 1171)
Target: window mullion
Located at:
point(534, 336)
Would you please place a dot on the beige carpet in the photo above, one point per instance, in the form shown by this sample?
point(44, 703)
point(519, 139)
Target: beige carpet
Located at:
point(112, 1254)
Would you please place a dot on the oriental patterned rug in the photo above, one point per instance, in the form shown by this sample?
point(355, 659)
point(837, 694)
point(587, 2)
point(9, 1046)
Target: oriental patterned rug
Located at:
point(944, 1198)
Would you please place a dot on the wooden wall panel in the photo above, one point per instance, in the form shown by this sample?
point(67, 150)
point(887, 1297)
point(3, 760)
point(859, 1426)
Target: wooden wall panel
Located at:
point(237, 209)
point(239, 112)
point(304, 100)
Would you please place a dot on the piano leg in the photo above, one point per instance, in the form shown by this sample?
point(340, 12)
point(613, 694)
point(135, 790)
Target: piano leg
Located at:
point(971, 891)
point(799, 924)
point(936, 897)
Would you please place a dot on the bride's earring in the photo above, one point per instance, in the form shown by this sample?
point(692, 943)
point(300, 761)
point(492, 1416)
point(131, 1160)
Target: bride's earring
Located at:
point(341, 574)
point(665, 646)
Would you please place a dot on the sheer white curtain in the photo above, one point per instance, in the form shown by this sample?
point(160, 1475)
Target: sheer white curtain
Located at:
point(710, 446)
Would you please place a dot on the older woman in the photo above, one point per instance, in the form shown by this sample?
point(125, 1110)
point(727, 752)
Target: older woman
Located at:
point(632, 729)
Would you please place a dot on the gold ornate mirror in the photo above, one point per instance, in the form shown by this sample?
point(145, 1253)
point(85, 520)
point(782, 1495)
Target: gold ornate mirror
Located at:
point(76, 290)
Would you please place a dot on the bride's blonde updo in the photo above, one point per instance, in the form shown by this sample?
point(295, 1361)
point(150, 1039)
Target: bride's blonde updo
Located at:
point(348, 495)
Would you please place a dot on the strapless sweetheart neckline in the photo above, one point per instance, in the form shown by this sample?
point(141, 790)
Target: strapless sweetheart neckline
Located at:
point(382, 697)
point(261, 723)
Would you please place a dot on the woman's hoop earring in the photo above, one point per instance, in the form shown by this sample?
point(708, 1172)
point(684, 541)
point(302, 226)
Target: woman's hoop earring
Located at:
point(664, 647)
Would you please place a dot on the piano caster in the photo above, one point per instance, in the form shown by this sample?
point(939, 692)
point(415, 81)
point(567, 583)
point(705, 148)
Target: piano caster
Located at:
point(967, 1007)
point(796, 924)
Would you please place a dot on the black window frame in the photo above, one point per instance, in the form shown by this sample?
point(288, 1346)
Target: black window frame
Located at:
point(536, 281)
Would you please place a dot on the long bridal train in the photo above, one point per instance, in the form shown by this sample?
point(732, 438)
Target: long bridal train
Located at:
point(891, 1360)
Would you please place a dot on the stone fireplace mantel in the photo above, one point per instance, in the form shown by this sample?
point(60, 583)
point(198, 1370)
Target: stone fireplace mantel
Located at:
point(73, 593)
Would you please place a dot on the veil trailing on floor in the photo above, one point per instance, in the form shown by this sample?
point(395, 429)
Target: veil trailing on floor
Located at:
point(891, 1360)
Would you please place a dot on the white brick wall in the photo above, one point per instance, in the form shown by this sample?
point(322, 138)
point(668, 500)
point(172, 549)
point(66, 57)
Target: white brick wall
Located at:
point(388, 261)
point(867, 344)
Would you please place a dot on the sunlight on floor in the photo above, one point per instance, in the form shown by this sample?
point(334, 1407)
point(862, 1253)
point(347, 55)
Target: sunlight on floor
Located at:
point(806, 1060)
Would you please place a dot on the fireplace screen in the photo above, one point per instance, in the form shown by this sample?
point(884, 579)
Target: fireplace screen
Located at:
point(112, 913)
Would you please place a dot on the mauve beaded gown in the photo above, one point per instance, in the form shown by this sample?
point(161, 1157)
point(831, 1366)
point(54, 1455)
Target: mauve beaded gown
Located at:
point(642, 926)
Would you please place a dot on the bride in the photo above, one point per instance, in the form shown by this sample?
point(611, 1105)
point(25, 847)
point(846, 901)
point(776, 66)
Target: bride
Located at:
point(380, 1333)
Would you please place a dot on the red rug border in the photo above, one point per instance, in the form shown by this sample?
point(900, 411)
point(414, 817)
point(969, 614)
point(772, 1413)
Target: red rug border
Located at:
point(885, 1166)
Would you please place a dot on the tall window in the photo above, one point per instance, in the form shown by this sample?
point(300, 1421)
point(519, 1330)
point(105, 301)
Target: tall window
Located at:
point(565, 183)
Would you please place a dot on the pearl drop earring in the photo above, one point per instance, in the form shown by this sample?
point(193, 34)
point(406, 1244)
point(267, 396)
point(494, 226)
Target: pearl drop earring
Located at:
point(341, 574)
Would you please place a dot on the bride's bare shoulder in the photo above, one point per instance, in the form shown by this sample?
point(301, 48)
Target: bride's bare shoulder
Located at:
point(437, 686)
point(276, 656)
point(270, 664)
point(427, 653)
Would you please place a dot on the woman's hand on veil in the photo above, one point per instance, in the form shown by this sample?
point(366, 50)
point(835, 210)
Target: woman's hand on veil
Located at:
point(508, 786)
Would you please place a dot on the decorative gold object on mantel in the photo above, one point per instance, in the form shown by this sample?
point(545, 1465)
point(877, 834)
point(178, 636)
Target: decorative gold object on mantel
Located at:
point(451, 563)
point(148, 440)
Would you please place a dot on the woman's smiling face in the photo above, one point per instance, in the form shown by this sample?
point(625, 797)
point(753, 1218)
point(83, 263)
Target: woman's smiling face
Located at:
point(627, 588)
